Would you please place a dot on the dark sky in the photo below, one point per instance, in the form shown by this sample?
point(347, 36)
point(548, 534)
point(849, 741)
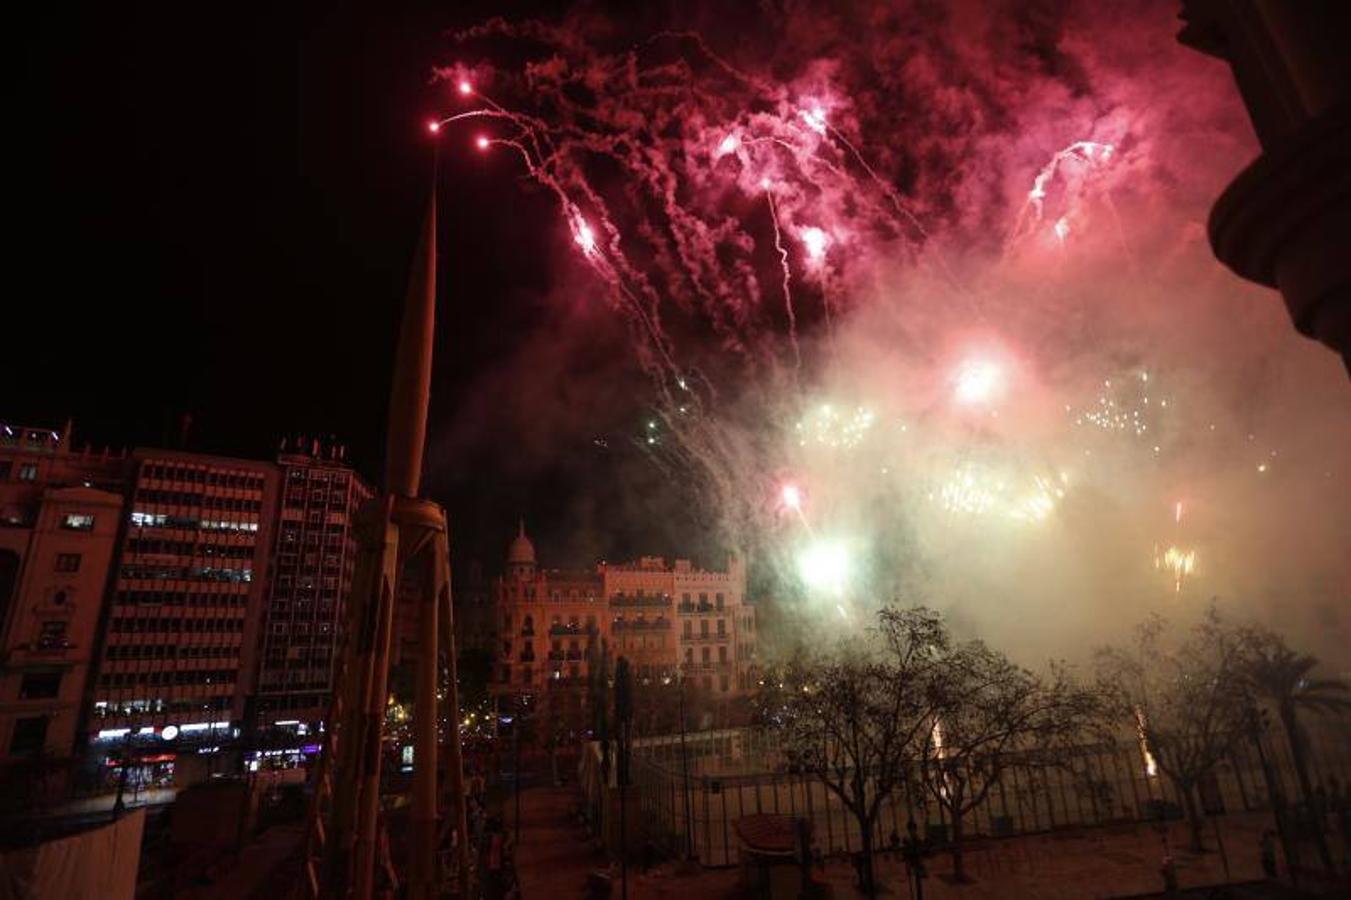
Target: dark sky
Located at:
point(215, 215)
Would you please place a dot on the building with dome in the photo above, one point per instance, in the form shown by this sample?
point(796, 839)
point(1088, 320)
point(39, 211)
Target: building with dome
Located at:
point(671, 621)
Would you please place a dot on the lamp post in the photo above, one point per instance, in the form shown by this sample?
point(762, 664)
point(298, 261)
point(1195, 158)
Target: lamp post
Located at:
point(684, 765)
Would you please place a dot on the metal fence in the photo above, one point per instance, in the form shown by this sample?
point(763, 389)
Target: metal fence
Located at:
point(736, 773)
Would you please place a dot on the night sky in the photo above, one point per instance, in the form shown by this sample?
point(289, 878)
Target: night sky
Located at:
point(216, 217)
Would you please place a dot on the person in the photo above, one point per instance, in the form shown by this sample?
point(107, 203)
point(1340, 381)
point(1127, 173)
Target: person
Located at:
point(1269, 853)
point(1169, 872)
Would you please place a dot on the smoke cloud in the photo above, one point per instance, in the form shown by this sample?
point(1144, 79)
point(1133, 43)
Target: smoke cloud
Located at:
point(941, 269)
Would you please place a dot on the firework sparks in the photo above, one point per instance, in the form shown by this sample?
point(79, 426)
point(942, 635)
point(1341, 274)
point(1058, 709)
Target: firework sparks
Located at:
point(977, 491)
point(1179, 563)
point(1124, 404)
point(1151, 765)
point(828, 426)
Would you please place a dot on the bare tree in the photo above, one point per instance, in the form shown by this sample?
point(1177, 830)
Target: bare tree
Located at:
point(854, 716)
point(996, 714)
point(1188, 701)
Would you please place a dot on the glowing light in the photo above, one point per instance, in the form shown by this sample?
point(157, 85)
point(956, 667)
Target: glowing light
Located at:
point(482, 142)
point(1151, 765)
point(815, 117)
point(825, 566)
point(730, 144)
point(1177, 562)
point(585, 237)
point(791, 495)
point(1061, 228)
point(978, 381)
point(815, 241)
point(465, 88)
point(433, 127)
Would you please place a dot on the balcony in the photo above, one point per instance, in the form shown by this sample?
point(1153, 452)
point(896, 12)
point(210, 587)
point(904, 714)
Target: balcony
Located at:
point(644, 602)
point(572, 629)
point(642, 625)
point(702, 637)
point(40, 653)
point(690, 609)
point(697, 667)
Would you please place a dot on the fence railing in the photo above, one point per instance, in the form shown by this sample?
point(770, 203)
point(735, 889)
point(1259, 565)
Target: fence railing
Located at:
point(742, 772)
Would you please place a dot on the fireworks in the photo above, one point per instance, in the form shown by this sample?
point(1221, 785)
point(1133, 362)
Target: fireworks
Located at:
point(815, 241)
point(827, 426)
point(975, 491)
point(1125, 404)
point(1073, 165)
point(978, 381)
point(585, 237)
point(703, 198)
point(825, 566)
point(815, 117)
point(1177, 562)
point(1151, 765)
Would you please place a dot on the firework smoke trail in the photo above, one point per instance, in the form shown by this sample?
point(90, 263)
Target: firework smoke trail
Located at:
point(787, 280)
point(1091, 154)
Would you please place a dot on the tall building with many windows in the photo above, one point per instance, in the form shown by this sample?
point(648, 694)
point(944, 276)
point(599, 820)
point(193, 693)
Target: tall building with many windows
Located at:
point(59, 517)
point(180, 636)
point(312, 564)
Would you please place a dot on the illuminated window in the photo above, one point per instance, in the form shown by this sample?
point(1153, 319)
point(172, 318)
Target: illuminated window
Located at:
point(77, 522)
point(29, 472)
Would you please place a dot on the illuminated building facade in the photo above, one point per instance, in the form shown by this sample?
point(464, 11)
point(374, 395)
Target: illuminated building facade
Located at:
point(59, 516)
point(311, 575)
point(184, 609)
point(670, 621)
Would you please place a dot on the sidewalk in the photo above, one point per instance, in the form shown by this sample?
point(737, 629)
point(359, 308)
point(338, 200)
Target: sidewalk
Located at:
point(103, 803)
point(554, 857)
